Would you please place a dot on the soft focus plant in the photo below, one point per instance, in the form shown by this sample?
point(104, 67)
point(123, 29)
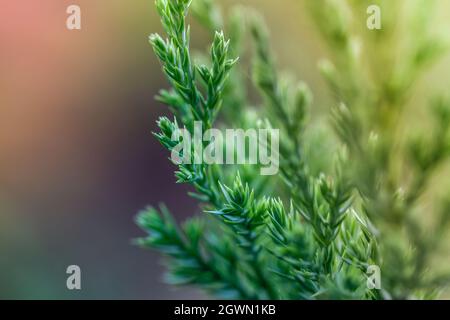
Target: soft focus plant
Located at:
point(310, 232)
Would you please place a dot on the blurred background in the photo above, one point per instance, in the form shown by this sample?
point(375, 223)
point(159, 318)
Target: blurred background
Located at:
point(77, 158)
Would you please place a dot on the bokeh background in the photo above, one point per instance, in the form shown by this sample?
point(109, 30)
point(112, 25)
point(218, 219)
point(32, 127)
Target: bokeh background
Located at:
point(77, 158)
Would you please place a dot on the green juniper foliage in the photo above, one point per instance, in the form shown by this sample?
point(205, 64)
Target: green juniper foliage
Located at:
point(307, 233)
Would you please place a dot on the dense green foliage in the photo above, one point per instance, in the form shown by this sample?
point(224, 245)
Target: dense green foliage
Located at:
point(308, 232)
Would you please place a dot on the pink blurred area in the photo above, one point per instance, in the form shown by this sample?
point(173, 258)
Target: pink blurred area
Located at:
point(49, 77)
point(78, 160)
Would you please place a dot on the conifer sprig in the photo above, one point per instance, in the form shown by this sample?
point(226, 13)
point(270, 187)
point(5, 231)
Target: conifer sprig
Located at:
point(248, 243)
